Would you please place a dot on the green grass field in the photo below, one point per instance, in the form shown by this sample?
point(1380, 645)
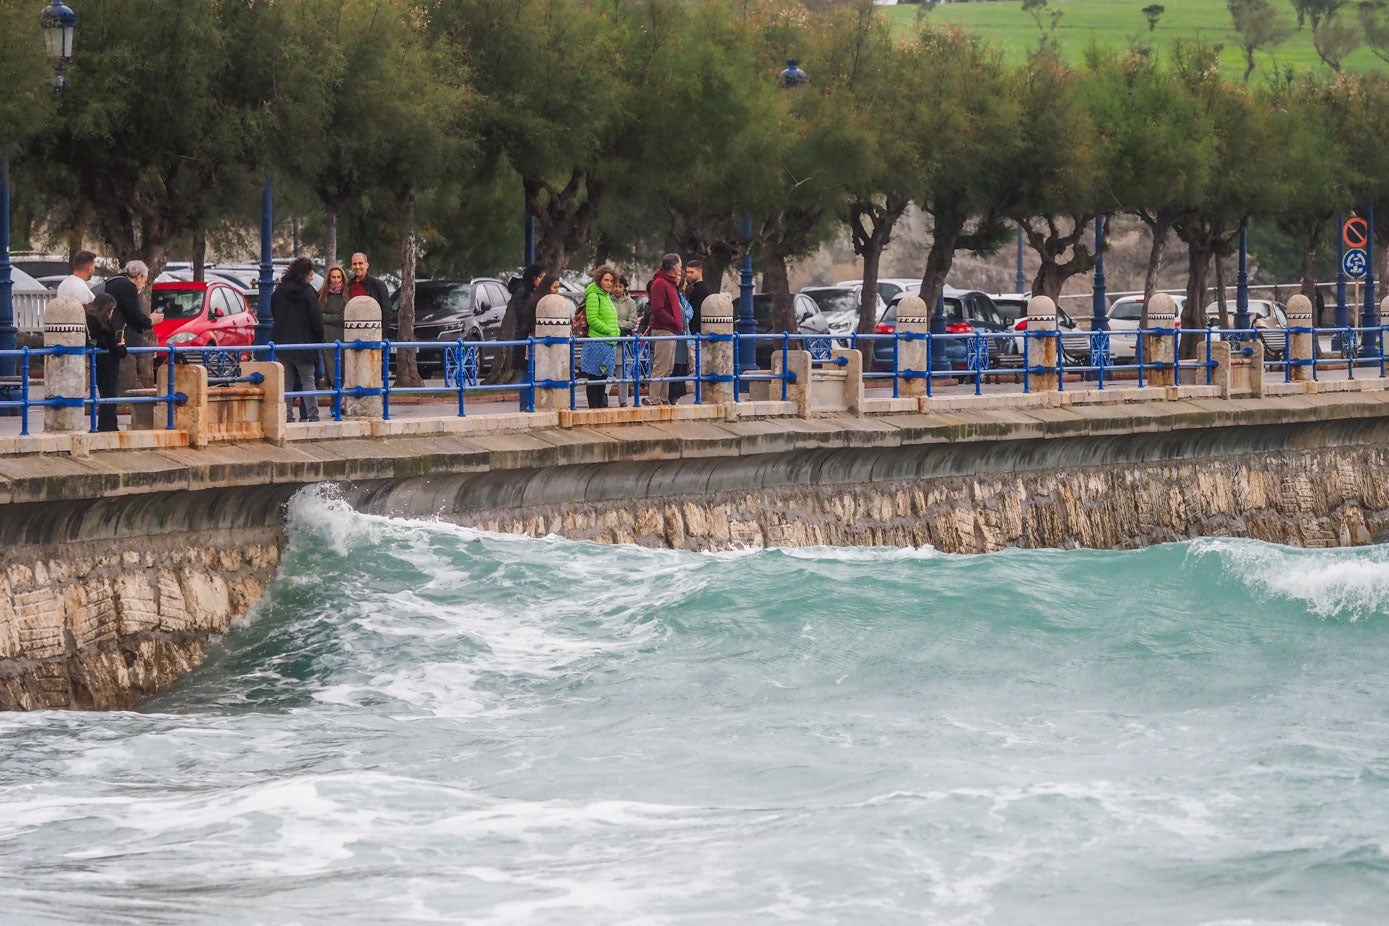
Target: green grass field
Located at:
point(1119, 23)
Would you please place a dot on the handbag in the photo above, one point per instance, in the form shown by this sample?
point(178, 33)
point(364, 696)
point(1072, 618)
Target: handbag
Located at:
point(598, 358)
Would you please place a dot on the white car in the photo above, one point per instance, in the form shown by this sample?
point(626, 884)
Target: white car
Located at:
point(840, 305)
point(1124, 316)
point(889, 288)
point(1269, 318)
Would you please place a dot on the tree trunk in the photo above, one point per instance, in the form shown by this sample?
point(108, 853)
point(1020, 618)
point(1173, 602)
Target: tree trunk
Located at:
point(939, 259)
point(1158, 229)
point(1199, 256)
point(1050, 279)
point(199, 254)
point(407, 370)
point(330, 236)
point(776, 280)
point(868, 300)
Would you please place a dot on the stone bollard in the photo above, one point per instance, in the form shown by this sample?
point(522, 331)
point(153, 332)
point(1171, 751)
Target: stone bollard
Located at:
point(361, 322)
point(191, 416)
point(913, 317)
point(1043, 348)
point(716, 356)
point(554, 318)
point(65, 375)
point(1299, 345)
point(1160, 348)
point(1220, 375)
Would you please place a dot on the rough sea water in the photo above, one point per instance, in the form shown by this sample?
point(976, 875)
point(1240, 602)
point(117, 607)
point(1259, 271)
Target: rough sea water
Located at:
point(427, 724)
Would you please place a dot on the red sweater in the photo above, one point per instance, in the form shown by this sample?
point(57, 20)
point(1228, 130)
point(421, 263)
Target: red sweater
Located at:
point(665, 311)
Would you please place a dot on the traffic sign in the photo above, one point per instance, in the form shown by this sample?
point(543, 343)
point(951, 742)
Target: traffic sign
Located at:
point(1355, 263)
point(1356, 232)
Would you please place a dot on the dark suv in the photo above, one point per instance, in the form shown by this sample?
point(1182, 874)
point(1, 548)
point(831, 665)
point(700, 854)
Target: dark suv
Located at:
point(446, 310)
point(966, 311)
point(811, 324)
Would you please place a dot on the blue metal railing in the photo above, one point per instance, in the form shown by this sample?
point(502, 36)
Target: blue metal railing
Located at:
point(974, 360)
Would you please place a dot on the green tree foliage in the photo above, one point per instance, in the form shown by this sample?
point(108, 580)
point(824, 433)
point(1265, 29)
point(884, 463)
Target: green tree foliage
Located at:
point(1153, 12)
point(967, 147)
point(1259, 26)
point(25, 74)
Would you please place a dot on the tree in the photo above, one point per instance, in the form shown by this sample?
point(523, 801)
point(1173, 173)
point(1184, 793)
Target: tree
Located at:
point(1156, 157)
point(1152, 12)
point(1058, 179)
point(967, 143)
point(1259, 26)
point(1334, 37)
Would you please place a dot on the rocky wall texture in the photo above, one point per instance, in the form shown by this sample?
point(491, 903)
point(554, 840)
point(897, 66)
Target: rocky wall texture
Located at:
point(101, 624)
point(1312, 498)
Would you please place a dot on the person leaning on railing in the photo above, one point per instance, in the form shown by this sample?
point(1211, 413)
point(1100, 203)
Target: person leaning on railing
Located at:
point(598, 359)
point(665, 319)
point(101, 333)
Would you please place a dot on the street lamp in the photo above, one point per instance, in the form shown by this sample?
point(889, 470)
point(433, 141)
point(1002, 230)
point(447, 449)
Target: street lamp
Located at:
point(265, 321)
point(746, 324)
point(58, 24)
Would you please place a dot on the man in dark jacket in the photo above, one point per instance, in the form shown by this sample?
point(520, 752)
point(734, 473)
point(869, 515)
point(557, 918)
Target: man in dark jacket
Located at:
point(666, 319)
point(132, 326)
point(363, 284)
point(700, 289)
point(297, 319)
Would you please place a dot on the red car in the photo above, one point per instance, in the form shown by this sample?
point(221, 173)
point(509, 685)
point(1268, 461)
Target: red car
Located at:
point(209, 314)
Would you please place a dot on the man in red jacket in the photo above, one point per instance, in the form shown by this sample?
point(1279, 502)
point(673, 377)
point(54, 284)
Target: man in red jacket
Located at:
point(666, 319)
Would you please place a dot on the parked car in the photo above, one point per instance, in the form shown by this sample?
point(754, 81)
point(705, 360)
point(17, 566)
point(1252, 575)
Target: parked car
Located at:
point(1075, 341)
point(889, 288)
point(207, 314)
point(446, 310)
point(840, 305)
point(1124, 317)
point(810, 321)
point(966, 311)
point(1268, 318)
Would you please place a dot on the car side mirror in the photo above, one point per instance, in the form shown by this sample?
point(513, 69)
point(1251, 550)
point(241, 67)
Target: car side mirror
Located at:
point(217, 312)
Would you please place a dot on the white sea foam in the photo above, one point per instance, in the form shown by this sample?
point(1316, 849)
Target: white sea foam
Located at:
point(1351, 583)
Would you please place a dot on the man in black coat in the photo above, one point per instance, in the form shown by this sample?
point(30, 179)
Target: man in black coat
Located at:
point(700, 289)
point(125, 289)
point(364, 284)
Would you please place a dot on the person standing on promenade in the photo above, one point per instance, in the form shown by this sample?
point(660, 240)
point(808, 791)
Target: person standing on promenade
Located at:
point(520, 312)
point(298, 320)
point(74, 285)
point(699, 290)
point(332, 302)
point(598, 358)
point(132, 325)
point(363, 284)
point(102, 333)
point(665, 319)
point(130, 316)
point(626, 324)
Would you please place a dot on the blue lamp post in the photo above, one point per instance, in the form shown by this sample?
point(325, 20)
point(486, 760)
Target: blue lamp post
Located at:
point(1369, 317)
point(1242, 281)
point(58, 24)
point(264, 314)
point(1099, 299)
point(746, 325)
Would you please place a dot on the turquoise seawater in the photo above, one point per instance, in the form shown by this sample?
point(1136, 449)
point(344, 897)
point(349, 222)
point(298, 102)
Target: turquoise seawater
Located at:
point(428, 724)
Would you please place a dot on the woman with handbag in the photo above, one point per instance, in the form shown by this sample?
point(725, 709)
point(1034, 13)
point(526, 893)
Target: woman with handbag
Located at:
point(598, 359)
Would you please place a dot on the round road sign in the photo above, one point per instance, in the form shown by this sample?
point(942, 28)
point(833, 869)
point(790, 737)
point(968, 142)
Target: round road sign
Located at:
point(1356, 232)
point(1354, 263)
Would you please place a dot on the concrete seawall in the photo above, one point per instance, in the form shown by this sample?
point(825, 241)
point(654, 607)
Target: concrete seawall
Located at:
point(118, 566)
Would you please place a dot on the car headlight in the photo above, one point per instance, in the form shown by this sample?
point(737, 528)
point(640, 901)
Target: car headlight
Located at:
point(182, 338)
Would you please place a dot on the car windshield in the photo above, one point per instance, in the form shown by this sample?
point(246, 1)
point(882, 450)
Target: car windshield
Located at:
point(835, 301)
point(1127, 310)
point(435, 301)
point(178, 303)
point(1011, 309)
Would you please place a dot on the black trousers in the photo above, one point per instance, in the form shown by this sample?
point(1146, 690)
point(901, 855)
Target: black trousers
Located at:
point(597, 389)
point(108, 369)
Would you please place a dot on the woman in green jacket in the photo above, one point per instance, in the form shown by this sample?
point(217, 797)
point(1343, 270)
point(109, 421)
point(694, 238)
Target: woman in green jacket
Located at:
point(598, 359)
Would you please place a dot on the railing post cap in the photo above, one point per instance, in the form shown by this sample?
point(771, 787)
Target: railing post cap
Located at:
point(64, 310)
point(1041, 306)
point(1162, 304)
point(362, 309)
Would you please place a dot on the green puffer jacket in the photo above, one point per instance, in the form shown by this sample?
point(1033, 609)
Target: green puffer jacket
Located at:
point(602, 314)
